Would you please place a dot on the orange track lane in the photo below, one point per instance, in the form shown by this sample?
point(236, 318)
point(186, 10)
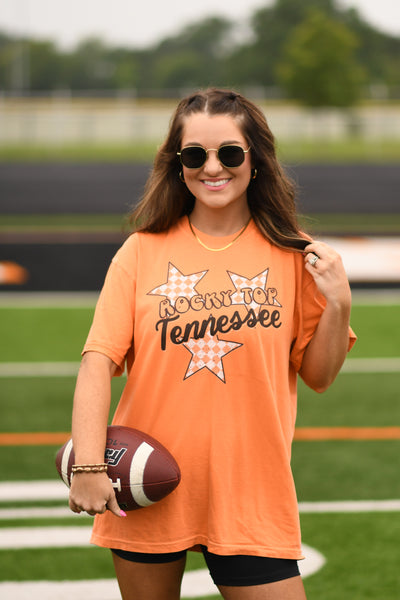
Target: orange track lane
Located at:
point(307, 434)
point(346, 433)
point(33, 439)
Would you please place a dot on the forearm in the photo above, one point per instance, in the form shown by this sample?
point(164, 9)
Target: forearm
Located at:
point(91, 408)
point(328, 347)
point(92, 492)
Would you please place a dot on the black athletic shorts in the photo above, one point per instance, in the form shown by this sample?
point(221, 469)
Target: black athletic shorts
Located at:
point(237, 570)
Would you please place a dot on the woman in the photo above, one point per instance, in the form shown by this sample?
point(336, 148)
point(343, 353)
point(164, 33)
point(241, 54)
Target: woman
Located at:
point(215, 304)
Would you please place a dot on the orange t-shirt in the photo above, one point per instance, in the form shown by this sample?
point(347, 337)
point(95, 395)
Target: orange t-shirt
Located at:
point(212, 342)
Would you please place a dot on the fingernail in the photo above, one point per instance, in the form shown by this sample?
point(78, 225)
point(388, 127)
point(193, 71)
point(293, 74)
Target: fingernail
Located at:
point(122, 513)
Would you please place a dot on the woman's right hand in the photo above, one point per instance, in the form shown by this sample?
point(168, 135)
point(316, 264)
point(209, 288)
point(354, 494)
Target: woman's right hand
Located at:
point(94, 494)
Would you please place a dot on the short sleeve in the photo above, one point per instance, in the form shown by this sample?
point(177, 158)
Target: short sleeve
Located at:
point(310, 304)
point(112, 328)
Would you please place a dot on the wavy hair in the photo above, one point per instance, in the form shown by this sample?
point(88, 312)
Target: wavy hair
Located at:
point(270, 196)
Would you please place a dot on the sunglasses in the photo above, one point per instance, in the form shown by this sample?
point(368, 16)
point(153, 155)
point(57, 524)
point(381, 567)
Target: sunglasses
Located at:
point(194, 157)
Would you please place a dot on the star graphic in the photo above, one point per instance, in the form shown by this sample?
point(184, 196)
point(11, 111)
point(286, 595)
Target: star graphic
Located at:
point(251, 292)
point(178, 284)
point(207, 353)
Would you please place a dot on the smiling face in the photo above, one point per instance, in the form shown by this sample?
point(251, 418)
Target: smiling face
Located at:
point(213, 185)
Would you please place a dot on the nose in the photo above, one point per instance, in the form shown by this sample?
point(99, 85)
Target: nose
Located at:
point(212, 164)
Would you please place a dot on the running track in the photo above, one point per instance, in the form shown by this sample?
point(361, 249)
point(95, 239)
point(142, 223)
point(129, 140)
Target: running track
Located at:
point(76, 262)
point(113, 188)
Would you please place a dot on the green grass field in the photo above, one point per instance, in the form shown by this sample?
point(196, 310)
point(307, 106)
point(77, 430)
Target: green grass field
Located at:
point(354, 149)
point(317, 224)
point(361, 548)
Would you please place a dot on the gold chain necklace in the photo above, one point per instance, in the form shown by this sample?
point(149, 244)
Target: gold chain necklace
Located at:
point(224, 247)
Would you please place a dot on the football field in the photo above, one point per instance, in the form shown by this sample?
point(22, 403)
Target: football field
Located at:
point(345, 461)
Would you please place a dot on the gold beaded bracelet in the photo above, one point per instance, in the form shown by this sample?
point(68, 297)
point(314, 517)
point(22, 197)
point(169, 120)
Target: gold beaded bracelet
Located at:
point(90, 468)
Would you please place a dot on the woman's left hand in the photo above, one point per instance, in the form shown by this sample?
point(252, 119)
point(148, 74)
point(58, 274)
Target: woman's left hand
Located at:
point(328, 347)
point(326, 267)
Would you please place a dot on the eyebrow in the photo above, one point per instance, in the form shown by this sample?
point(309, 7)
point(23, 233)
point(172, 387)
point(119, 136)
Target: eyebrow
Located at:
point(226, 143)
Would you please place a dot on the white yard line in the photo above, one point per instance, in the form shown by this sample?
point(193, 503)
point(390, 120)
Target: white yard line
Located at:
point(70, 369)
point(344, 506)
point(39, 369)
point(195, 583)
point(350, 506)
point(51, 512)
point(30, 491)
point(48, 299)
point(44, 537)
point(100, 589)
point(378, 297)
point(371, 365)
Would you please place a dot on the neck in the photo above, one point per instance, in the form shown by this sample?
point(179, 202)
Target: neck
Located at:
point(219, 223)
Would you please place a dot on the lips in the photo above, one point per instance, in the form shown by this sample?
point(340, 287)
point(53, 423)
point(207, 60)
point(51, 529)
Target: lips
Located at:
point(216, 183)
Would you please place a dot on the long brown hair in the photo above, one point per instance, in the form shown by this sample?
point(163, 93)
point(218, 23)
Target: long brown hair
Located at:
point(270, 195)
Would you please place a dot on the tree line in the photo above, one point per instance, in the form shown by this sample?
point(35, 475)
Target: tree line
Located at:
point(312, 51)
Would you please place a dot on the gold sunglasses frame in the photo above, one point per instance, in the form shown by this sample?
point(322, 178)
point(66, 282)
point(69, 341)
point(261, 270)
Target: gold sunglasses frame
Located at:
point(207, 150)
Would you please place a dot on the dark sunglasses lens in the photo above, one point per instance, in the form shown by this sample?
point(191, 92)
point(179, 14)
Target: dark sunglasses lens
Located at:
point(193, 158)
point(231, 156)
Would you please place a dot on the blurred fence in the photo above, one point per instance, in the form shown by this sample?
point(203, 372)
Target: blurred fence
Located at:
point(62, 120)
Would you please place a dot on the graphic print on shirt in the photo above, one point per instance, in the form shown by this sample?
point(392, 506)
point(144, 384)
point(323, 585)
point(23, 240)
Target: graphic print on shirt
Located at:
point(200, 337)
point(207, 353)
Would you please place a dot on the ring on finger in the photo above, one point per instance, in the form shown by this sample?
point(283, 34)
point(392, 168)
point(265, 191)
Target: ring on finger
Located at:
point(313, 260)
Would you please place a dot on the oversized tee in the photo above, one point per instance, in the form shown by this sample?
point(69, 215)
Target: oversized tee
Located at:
point(212, 343)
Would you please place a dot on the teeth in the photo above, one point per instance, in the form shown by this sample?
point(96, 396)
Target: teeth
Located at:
point(217, 183)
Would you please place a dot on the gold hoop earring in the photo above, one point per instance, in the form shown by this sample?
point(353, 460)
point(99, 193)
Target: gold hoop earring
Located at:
point(254, 174)
point(181, 177)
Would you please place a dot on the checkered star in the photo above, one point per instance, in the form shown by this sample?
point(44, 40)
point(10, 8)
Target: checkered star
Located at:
point(178, 284)
point(249, 289)
point(207, 353)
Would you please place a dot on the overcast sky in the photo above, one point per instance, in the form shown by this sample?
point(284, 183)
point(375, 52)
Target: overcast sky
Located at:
point(132, 23)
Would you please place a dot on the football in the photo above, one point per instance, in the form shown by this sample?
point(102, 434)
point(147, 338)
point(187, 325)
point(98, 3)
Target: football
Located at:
point(141, 470)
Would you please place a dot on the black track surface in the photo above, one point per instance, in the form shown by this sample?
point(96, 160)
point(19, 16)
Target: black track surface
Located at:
point(80, 265)
point(113, 188)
